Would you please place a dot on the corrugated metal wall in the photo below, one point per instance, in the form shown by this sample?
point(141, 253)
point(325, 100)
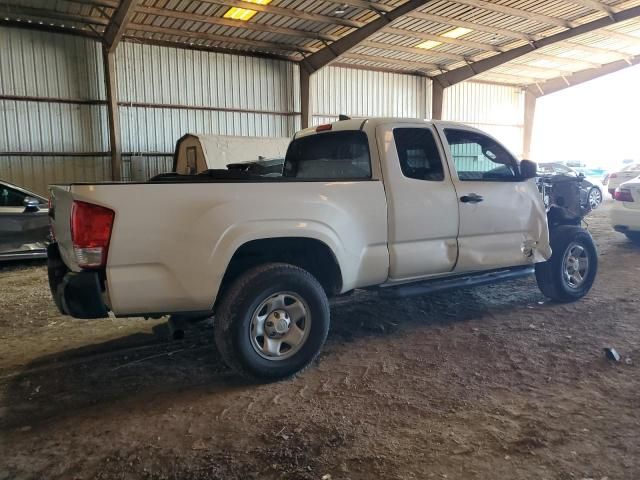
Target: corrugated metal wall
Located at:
point(167, 92)
point(53, 116)
point(362, 93)
point(496, 109)
point(52, 104)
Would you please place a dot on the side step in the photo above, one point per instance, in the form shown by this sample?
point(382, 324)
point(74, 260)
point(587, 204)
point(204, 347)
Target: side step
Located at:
point(450, 283)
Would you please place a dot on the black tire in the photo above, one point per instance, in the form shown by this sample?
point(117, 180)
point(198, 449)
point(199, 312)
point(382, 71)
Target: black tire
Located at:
point(634, 237)
point(550, 274)
point(233, 320)
point(599, 197)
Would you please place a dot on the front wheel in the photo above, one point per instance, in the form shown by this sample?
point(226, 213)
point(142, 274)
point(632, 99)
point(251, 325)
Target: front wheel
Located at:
point(272, 322)
point(595, 198)
point(570, 272)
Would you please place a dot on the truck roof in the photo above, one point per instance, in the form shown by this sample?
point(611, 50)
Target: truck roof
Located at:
point(359, 123)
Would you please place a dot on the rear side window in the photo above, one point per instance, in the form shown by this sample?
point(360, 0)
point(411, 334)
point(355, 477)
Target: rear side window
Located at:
point(418, 154)
point(329, 156)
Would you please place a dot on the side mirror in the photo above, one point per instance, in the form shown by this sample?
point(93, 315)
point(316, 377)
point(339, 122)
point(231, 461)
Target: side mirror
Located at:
point(31, 204)
point(528, 169)
point(581, 175)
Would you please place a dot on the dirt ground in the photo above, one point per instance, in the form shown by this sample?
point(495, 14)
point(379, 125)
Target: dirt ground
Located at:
point(487, 383)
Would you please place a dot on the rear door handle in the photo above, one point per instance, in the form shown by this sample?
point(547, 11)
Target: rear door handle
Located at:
point(471, 198)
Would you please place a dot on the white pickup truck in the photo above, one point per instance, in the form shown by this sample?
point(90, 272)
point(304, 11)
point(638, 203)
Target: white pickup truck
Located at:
point(402, 206)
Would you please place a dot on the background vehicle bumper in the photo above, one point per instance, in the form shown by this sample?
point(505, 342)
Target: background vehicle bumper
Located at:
point(625, 219)
point(76, 294)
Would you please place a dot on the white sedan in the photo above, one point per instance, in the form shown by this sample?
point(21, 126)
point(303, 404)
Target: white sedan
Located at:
point(625, 213)
point(615, 179)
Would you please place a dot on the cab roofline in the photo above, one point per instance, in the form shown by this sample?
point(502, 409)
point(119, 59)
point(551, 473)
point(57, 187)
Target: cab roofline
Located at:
point(359, 123)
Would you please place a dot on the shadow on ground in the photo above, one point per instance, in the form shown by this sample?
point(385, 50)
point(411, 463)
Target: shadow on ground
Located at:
point(144, 365)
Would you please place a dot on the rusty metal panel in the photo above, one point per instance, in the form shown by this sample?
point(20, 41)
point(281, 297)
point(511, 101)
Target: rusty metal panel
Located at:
point(496, 109)
point(365, 93)
point(52, 65)
point(37, 172)
point(30, 126)
point(55, 85)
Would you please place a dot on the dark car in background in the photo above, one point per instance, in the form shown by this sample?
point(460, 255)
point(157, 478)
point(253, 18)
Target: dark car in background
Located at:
point(590, 193)
point(24, 223)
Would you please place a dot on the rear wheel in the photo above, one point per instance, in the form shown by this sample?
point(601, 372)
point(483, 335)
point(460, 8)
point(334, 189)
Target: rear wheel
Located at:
point(570, 272)
point(272, 322)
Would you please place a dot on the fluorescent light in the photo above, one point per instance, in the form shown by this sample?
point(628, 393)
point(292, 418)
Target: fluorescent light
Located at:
point(237, 13)
point(457, 32)
point(259, 2)
point(428, 44)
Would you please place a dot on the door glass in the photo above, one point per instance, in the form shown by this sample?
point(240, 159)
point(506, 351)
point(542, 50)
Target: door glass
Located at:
point(10, 197)
point(478, 157)
point(418, 154)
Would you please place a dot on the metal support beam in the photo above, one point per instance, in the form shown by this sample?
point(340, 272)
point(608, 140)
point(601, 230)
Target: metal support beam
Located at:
point(41, 14)
point(560, 83)
point(118, 23)
point(468, 71)
point(288, 12)
point(211, 20)
point(529, 114)
point(113, 113)
point(305, 98)
point(437, 96)
point(323, 57)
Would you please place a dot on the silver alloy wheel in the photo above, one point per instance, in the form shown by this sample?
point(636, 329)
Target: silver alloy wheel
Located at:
point(575, 265)
point(280, 326)
point(595, 198)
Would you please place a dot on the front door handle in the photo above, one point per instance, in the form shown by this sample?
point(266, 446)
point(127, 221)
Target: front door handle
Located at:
point(471, 198)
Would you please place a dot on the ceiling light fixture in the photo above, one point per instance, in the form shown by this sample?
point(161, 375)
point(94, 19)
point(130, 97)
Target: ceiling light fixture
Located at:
point(237, 13)
point(341, 10)
point(428, 44)
point(457, 32)
point(244, 14)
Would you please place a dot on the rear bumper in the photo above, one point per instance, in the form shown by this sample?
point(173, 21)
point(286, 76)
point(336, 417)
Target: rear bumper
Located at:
point(78, 294)
point(625, 219)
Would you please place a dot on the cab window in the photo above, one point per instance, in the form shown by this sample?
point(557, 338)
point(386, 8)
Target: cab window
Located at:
point(478, 157)
point(329, 156)
point(418, 154)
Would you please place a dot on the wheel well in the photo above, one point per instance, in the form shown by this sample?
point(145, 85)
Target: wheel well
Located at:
point(309, 254)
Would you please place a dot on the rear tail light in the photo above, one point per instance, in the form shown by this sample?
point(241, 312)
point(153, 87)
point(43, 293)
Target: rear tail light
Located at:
point(91, 227)
point(623, 195)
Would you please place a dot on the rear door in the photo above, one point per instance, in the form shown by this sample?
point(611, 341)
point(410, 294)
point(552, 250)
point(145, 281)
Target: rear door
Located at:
point(422, 205)
point(20, 230)
point(502, 218)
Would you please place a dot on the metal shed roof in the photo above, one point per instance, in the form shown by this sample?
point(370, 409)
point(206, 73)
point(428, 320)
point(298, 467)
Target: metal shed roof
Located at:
point(553, 39)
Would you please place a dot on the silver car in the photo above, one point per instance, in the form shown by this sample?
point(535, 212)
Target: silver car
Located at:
point(24, 223)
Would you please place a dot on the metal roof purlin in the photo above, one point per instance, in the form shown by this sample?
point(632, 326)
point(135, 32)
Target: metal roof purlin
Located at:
point(464, 73)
